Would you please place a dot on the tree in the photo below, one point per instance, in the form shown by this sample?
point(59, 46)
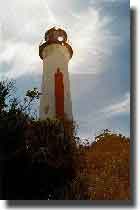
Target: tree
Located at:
point(44, 159)
point(38, 156)
point(104, 170)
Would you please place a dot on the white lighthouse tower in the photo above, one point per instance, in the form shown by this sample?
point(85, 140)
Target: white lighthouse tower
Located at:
point(55, 101)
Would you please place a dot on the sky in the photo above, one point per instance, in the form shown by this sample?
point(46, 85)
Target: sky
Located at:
point(99, 33)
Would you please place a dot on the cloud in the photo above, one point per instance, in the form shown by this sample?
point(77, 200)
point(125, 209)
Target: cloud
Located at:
point(120, 107)
point(111, 116)
point(20, 57)
point(95, 2)
point(23, 26)
point(92, 40)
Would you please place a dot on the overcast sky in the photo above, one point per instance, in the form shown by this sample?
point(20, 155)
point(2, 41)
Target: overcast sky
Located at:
point(98, 31)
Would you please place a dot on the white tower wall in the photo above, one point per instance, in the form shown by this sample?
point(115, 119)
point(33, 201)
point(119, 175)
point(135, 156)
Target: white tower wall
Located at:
point(54, 56)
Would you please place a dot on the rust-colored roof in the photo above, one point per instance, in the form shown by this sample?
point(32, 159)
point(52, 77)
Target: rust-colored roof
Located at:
point(42, 46)
point(54, 29)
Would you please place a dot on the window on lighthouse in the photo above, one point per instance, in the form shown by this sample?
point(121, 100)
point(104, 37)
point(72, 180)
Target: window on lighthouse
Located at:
point(60, 38)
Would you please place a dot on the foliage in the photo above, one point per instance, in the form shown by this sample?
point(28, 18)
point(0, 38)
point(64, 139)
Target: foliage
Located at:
point(104, 171)
point(46, 160)
point(38, 156)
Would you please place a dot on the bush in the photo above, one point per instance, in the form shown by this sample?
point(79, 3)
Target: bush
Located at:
point(46, 160)
point(104, 171)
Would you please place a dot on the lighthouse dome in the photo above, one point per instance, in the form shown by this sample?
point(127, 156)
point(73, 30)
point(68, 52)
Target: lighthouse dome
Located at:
point(55, 34)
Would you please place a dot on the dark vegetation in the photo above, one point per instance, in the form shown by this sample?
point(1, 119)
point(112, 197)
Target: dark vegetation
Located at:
point(46, 160)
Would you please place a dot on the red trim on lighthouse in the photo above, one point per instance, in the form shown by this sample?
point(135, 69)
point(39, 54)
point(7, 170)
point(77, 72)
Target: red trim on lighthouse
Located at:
point(59, 94)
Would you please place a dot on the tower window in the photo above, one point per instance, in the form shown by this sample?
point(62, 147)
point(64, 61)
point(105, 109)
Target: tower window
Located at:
point(60, 38)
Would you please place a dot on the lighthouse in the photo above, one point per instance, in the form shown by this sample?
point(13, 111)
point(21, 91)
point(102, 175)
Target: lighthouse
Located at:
point(55, 52)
